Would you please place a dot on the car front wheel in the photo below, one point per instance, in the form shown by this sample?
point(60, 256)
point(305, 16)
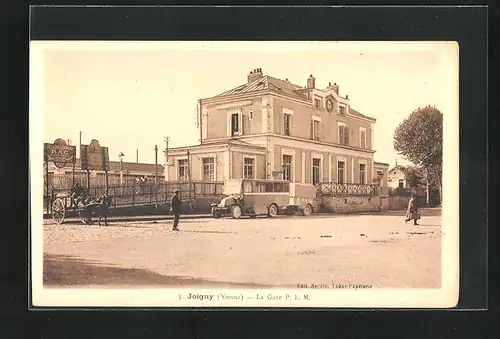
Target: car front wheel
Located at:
point(272, 211)
point(236, 212)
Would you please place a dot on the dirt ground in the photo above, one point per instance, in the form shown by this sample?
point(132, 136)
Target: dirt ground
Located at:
point(377, 250)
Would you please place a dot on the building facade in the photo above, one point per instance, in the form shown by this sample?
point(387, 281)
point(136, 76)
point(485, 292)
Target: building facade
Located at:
point(396, 177)
point(271, 128)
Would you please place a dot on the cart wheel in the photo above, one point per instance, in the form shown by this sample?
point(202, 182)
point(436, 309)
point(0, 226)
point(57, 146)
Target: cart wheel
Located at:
point(307, 211)
point(236, 212)
point(58, 211)
point(272, 211)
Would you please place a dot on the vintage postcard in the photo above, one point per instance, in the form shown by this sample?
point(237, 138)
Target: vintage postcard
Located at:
point(244, 174)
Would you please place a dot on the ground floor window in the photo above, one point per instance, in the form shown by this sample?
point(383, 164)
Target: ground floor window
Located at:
point(248, 168)
point(316, 171)
point(287, 167)
point(362, 178)
point(340, 172)
point(208, 169)
point(183, 169)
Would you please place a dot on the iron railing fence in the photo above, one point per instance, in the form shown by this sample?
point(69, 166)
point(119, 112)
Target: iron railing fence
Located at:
point(346, 189)
point(150, 193)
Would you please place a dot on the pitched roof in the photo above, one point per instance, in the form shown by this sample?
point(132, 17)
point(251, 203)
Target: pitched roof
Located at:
point(283, 87)
point(352, 111)
point(266, 83)
point(128, 166)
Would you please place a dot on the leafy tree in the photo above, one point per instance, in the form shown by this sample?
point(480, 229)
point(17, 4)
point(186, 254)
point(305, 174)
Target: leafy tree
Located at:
point(413, 177)
point(419, 138)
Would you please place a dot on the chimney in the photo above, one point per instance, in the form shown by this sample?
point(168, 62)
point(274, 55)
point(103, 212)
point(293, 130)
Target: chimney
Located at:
point(336, 88)
point(311, 82)
point(254, 75)
point(347, 96)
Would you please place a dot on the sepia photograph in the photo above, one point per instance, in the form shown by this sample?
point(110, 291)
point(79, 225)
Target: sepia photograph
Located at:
point(244, 174)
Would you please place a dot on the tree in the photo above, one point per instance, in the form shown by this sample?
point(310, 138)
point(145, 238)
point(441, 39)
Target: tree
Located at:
point(413, 176)
point(419, 138)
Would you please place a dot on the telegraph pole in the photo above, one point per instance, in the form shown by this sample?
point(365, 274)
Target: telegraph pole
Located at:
point(167, 139)
point(156, 175)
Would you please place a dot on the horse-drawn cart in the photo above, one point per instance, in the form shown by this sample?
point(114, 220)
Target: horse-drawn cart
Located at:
point(86, 207)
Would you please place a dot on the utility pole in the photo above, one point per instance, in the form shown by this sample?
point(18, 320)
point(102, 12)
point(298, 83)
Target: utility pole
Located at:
point(156, 163)
point(156, 175)
point(167, 139)
point(80, 144)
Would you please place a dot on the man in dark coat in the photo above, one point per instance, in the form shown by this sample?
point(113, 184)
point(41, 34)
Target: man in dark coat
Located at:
point(175, 207)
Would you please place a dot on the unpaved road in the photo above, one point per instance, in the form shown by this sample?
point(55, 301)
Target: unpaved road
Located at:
point(378, 250)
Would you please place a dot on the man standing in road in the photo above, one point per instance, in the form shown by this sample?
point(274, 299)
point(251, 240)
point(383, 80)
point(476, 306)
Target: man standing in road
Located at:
point(175, 206)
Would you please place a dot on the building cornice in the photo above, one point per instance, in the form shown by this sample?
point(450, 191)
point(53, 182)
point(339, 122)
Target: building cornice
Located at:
point(274, 135)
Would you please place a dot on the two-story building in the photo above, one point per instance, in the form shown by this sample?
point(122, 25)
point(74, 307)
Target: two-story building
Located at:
point(271, 128)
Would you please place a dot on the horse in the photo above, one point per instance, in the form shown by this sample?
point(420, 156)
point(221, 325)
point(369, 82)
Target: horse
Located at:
point(104, 201)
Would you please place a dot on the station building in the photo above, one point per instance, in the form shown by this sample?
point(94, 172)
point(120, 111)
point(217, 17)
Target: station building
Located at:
point(271, 128)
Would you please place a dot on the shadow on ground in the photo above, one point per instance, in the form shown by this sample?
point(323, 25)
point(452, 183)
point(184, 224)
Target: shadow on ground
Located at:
point(67, 271)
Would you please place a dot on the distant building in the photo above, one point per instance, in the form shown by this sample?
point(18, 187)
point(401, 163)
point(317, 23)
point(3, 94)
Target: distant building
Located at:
point(60, 178)
point(396, 177)
point(271, 128)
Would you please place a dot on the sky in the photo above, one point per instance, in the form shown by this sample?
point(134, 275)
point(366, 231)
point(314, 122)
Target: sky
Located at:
point(130, 95)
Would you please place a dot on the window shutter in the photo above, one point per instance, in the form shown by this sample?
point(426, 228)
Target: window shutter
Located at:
point(346, 136)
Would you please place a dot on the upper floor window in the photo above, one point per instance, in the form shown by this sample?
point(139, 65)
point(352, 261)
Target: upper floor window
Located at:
point(287, 118)
point(316, 129)
point(362, 137)
point(235, 124)
point(342, 110)
point(183, 169)
point(343, 138)
point(317, 103)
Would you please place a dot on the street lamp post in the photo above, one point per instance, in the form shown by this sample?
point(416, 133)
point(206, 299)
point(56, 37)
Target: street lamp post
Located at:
point(120, 156)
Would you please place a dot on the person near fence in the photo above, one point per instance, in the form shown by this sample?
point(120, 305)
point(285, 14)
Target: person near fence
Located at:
point(412, 211)
point(175, 207)
point(77, 194)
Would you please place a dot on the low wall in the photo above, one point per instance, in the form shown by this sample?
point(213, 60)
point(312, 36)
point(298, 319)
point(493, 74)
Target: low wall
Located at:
point(354, 203)
point(350, 204)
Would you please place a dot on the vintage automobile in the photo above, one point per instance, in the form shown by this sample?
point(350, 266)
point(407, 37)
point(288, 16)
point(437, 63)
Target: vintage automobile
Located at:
point(252, 197)
point(302, 197)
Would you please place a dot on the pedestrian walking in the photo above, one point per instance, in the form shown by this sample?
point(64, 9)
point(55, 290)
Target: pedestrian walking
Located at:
point(175, 207)
point(412, 211)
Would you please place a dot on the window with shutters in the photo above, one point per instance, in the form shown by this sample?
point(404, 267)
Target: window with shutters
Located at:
point(362, 137)
point(340, 172)
point(343, 138)
point(287, 118)
point(316, 130)
point(235, 124)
